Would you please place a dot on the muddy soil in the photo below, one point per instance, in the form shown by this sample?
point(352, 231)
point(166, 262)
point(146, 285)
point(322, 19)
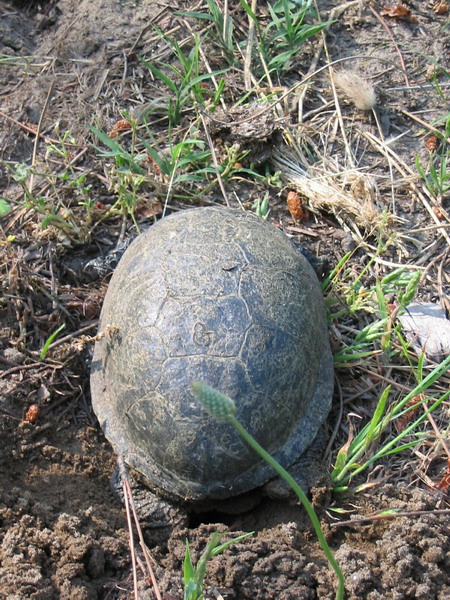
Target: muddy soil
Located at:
point(63, 533)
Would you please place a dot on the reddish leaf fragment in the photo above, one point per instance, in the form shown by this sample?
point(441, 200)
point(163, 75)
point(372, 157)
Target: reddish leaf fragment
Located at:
point(395, 11)
point(398, 11)
point(153, 167)
point(295, 207)
point(440, 8)
point(149, 210)
point(32, 414)
point(402, 422)
point(122, 125)
point(438, 212)
point(444, 483)
point(431, 143)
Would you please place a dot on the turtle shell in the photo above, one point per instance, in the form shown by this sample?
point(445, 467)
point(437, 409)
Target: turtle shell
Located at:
point(220, 296)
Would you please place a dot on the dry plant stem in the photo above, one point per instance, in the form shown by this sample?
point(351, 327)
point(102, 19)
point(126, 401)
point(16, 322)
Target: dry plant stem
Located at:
point(429, 228)
point(148, 26)
point(403, 170)
point(248, 52)
point(337, 11)
point(422, 122)
point(129, 503)
point(439, 435)
point(337, 105)
point(27, 128)
point(38, 133)
point(371, 519)
point(337, 425)
point(388, 158)
point(34, 365)
point(389, 32)
point(214, 159)
point(348, 151)
point(283, 97)
point(126, 497)
point(75, 334)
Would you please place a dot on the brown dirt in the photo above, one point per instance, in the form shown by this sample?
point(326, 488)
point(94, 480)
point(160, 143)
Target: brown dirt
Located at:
point(63, 535)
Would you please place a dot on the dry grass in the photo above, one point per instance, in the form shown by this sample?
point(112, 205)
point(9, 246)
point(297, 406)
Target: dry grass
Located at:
point(337, 158)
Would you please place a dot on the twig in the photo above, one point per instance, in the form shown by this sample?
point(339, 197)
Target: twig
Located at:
point(389, 32)
point(34, 365)
point(426, 125)
point(403, 170)
point(371, 519)
point(305, 79)
point(31, 130)
point(248, 52)
point(126, 497)
point(214, 159)
point(439, 435)
point(68, 337)
point(38, 133)
point(128, 494)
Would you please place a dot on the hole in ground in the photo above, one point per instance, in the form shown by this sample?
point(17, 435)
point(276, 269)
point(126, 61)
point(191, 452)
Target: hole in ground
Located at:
point(210, 517)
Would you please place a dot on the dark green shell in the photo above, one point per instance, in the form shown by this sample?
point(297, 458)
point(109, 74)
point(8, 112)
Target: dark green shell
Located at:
point(220, 296)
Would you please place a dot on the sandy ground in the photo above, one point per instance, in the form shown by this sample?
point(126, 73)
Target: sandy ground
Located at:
point(63, 534)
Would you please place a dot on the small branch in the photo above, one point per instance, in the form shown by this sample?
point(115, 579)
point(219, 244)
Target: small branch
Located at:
point(422, 122)
point(38, 133)
point(27, 128)
point(129, 502)
point(371, 519)
point(389, 32)
point(248, 52)
point(214, 159)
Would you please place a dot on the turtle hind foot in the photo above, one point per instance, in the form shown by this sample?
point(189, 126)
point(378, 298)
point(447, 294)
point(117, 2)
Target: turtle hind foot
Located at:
point(158, 517)
point(307, 470)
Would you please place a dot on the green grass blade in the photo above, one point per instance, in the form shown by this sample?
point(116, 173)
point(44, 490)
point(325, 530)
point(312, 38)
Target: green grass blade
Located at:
point(49, 341)
point(161, 76)
point(372, 430)
point(225, 545)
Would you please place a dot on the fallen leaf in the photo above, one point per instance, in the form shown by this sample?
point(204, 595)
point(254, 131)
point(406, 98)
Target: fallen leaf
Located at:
point(149, 210)
point(398, 11)
point(395, 11)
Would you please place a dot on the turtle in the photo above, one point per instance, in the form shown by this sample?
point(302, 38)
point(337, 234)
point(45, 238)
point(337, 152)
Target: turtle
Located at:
point(217, 295)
